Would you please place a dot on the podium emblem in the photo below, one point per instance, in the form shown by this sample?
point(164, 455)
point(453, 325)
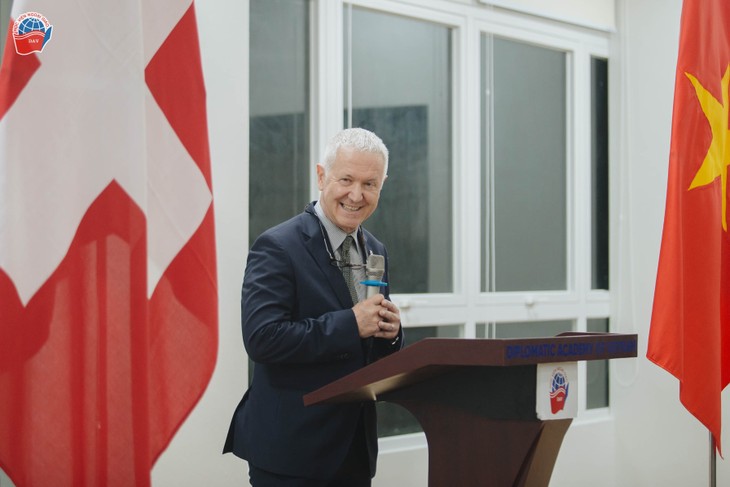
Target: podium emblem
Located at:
point(558, 390)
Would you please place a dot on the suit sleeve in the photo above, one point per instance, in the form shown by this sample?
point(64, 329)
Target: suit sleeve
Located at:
point(286, 316)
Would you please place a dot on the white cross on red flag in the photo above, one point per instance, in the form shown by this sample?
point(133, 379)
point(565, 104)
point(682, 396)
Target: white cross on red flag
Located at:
point(108, 299)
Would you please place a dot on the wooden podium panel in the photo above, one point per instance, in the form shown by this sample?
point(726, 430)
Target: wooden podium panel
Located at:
point(475, 399)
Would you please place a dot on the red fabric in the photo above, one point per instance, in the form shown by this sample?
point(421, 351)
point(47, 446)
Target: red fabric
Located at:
point(184, 105)
point(690, 324)
point(96, 372)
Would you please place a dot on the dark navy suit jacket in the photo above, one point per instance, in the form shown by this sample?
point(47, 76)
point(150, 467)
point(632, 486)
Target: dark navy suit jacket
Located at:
point(300, 330)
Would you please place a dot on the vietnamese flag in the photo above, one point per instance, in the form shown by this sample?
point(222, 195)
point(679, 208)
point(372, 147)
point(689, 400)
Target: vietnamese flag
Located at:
point(108, 299)
point(690, 324)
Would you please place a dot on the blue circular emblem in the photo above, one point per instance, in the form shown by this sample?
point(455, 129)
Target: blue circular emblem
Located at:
point(30, 24)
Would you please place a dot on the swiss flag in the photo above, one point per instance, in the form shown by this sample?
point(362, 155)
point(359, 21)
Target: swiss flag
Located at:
point(690, 322)
point(108, 300)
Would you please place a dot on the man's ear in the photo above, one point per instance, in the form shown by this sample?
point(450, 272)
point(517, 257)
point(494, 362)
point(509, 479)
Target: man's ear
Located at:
point(320, 176)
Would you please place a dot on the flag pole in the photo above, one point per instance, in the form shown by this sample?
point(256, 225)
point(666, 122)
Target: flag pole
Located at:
point(713, 462)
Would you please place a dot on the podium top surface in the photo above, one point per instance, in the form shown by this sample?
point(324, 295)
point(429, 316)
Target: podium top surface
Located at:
point(431, 356)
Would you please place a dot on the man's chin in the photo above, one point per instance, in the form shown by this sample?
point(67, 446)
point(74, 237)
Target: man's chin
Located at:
point(349, 225)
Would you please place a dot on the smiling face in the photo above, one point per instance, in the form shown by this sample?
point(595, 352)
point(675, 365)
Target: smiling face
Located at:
point(351, 188)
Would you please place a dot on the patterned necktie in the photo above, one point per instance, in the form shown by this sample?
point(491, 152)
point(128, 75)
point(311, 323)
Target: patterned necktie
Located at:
point(347, 270)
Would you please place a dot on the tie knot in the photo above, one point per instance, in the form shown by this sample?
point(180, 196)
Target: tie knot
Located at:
point(347, 244)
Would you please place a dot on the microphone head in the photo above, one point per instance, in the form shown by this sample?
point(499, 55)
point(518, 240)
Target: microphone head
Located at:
point(375, 267)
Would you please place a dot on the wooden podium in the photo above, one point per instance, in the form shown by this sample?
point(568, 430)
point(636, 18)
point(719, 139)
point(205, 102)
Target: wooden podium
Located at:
point(475, 399)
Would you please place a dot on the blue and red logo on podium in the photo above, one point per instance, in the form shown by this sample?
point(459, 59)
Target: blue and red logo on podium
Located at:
point(558, 390)
point(31, 32)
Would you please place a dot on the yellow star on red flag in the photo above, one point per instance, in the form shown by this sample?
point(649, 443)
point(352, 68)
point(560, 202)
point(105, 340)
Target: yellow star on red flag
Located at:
point(718, 154)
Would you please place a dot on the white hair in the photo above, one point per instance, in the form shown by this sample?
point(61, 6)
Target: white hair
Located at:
point(358, 139)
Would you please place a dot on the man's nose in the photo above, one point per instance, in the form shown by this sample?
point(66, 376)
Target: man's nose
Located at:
point(356, 192)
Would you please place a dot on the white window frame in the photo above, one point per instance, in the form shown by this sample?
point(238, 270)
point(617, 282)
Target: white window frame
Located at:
point(467, 306)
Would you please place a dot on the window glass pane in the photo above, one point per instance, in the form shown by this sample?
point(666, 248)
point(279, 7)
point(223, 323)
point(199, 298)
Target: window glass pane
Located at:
point(393, 419)
point(279, 112)
point(5, 6)
point(599, 173)
point(524, 165)
point(531, 329)
point(400, 88)
point(482, 330)
point(597, 371)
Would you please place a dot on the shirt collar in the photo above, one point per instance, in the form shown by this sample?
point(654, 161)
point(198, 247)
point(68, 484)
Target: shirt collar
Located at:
point(335, 233)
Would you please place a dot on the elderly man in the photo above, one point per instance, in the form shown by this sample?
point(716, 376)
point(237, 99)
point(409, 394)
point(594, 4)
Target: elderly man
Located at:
point(307, 321)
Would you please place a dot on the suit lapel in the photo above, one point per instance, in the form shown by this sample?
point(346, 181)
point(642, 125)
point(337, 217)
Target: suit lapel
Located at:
point(313, 238)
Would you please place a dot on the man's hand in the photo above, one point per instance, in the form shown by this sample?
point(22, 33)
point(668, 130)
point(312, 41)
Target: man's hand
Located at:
point(377, 317)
